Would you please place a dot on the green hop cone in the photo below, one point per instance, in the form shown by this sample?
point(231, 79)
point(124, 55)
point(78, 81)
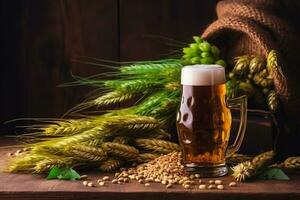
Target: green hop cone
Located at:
point(195, 60)
point(273, 101)
point(206, 54)
point(272, 60)
point(262, 79)
point(197, 39)
point(205, 46)
point(215, 51)
point(194, 46)
point(247, 88)
point(265, 90)
point(190, 52)
point(186, 50)
point(241, 65)
point(231, 88)
point(221, 62)
point(257, 64)
point(208, 60)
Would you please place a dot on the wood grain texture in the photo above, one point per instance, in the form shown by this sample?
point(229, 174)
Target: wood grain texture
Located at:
point(41, 41)
point(175, 19)
point(25, 186)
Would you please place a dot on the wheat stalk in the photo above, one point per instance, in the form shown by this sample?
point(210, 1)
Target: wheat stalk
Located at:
point(238, 158)
point(262, 158)
point(113, 98)
point(292, 162)
point(25, 163)
point(110, 164)
point(94, 142)
point(157, 145)
point(66, 127)
point(249, 169)
point(173, 86)
point(138, 86)
point(120, 150)
point(57, 145)
point(121, 140)
point(49, 162)
point(87, 153)
point(130, 124)
point(150, 68)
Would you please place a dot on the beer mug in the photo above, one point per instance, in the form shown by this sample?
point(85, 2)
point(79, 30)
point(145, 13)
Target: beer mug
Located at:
point(204, 120)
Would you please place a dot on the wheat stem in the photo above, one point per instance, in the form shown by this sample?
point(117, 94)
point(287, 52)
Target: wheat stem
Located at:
point(110, 164)
point(120, 150)
point(156, 145)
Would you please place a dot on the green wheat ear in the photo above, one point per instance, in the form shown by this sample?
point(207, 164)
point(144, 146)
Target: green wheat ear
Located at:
point(87, 153)
point(120, 150)
point(66, 127)
point(150, 67)
point(114, 98)
point(156, 145)
point(25, 163)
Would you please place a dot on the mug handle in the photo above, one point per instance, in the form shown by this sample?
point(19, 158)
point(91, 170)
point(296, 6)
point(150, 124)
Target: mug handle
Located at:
point(241, 103)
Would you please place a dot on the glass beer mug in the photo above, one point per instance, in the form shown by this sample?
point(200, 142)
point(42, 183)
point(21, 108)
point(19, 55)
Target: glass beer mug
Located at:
point(204, 120)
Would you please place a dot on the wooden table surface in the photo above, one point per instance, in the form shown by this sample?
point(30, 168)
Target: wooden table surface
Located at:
point(26, 186)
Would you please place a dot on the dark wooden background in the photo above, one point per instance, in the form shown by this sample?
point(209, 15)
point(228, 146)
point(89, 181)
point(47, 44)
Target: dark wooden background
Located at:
point(39, 39)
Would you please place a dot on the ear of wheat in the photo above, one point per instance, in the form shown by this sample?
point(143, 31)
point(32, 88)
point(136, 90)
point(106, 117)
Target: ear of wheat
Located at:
point(111, 164)
point(156, 145)
point(120, 150)
point(249, 169)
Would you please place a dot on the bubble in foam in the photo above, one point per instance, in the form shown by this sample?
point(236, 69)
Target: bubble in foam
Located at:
point(202, 75)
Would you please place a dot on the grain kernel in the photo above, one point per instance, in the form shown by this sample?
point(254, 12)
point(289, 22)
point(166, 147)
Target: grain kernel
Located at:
point(211, 181)
point(126, 180)
point(197, 175)
point(101, 183)
point(149, 179)
point(85, 183)
point(218, 182)
point(114, 181)
point(202, 186)
point(90, 184)
point(120, 179)
point(186, 186)
point(164, 182)
point(220, 187)
point(192, 176)
point(147, 184)
point(157, 180)
point(141, 181)
point(105, 178)
point(232, 184)
point(169, 185)
point(211, 187)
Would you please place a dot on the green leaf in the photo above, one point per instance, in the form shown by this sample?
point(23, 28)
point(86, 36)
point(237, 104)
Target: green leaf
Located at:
point(273, 174)
point(53, 173)
point(63, 174)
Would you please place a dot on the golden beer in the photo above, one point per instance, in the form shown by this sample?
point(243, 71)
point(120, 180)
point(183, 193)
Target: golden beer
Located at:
point(204, 120)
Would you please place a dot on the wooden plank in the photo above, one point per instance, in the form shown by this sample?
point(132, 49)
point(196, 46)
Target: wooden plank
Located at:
point(45, 37)
point(26, 186)
point(176, 19)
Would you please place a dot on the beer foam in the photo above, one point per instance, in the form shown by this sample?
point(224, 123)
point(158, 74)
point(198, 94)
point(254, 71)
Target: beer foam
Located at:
point(199, 75)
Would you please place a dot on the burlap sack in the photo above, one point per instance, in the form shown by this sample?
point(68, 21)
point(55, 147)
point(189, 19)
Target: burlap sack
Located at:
point(253, 27)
